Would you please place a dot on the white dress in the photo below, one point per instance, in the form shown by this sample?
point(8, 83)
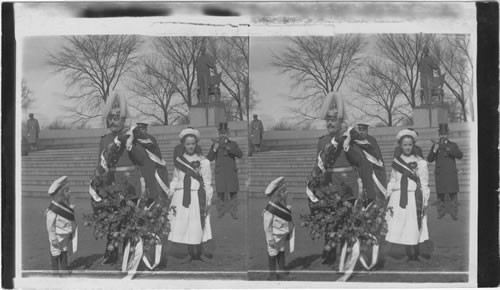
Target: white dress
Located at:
point(402, 224)
point(185, 225)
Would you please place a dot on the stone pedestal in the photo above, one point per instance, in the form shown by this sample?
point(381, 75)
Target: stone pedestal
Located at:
point(207, 115)
point(429, 116)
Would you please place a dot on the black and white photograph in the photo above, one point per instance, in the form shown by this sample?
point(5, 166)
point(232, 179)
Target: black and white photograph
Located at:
point(135, 154)
point(368, 153)
point(269, 145)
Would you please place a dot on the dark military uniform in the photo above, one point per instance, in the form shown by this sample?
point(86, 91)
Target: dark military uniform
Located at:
point(340, 171)
point(124, 170)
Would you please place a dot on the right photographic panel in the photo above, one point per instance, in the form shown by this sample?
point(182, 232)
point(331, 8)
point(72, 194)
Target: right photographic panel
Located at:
point(361, 157)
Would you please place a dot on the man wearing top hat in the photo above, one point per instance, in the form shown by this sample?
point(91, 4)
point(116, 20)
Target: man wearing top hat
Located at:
point(445, 152)
point(256, 131)
point(225, 151)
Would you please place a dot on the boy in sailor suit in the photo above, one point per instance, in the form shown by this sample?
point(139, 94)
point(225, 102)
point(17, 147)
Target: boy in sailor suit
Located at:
point(61, 225)
point(278, 227)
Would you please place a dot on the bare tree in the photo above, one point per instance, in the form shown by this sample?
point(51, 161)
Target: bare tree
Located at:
point(453, 55)
point(317, 66)
point(26, 95)
point(379, 96)
point(232, 58)
point(181, 53)
point(404, 51)
point(155, 96)
point(94, 65)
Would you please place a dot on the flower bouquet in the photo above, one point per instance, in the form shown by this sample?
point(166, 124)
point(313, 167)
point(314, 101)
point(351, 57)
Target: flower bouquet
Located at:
point(122, 220)
point(351, 225)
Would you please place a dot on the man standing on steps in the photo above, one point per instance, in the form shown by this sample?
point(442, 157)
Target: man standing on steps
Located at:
point(33, 132)
point(257, 130)
point(444, 152)
point(225, 151)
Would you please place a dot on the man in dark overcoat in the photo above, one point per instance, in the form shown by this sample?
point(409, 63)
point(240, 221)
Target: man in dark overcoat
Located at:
point(256, 131)
point(445, 153)
point(225, 151)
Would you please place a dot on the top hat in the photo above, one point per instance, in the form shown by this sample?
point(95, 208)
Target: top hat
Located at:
point(223, 127)
point(362, 126)
point(443, 128)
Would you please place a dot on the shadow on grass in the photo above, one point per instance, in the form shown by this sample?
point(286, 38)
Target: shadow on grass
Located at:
point(302, 262)
point(84, 263)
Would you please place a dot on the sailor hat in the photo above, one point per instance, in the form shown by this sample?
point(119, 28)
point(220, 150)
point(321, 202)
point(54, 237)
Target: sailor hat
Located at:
point(58, 184)
point(275, 185)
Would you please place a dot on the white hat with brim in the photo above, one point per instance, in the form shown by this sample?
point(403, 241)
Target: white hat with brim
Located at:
point(58, 184)
point(190, 131)
point(274, 186)
point(406, 132)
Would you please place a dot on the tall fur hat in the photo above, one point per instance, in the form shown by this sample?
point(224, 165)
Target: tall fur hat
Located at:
point(333, 105)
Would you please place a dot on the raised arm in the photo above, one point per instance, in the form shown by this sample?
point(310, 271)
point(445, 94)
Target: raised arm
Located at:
point(234, 150)
point(432, 154)
point(455, 151)
point(211, 153)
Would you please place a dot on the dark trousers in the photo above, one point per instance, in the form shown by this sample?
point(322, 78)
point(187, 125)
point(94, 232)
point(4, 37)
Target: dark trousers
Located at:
point(59, 262)
point(222, 195)
point(447, 203)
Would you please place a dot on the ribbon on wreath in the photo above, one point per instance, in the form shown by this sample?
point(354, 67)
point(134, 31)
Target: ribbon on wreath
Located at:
point(349, 257)
point(131, 264)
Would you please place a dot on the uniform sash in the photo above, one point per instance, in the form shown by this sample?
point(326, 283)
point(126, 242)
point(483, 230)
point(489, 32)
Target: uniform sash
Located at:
point(280, 211)
point(185, 166)
point(404, 168)
point(62, 210)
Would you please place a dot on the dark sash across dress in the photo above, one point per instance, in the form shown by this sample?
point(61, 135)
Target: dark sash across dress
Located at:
point(189, 170)
point(406, 171)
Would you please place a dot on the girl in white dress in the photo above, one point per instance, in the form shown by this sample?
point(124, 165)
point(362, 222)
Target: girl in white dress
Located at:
point(408, 193)
point(191, 192)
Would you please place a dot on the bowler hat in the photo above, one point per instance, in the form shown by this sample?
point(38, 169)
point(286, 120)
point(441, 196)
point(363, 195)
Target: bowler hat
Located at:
point(443, 128)
point(223, 127)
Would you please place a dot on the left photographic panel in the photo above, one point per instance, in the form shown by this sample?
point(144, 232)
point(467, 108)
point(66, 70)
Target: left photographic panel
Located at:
point(133, 156)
